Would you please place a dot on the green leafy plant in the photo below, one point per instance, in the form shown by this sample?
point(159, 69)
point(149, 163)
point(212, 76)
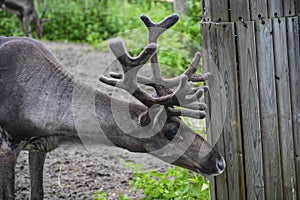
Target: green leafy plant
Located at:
point(100, 195)
point(175, 183)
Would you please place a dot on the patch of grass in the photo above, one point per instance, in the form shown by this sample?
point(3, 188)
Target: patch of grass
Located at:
point(101, 195)
point(174, 184)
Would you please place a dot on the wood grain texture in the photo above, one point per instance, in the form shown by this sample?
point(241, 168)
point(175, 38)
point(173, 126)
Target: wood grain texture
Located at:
point(219, 11)
point(268, 110)
point(275, 7)
point(206, 11)
point(206, 46)
point(258, 7)
point(231, 129)
point(249, 100)
point(289, 7)
point(239, 8)
point(294, 69)
point(284, 108)
point(216, 107)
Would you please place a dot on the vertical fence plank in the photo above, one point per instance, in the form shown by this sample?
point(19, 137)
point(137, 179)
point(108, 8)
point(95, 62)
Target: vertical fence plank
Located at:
point(284, 107)
point(294, 68)
point(219, 10)
point(206, 50)
point(216, 107)
point(268, 110)
point(250, 111)
point(206, 11)
point(258, 7)
point(231, 130)
point(239, 8)
point(216, 10)
point(289, 8)
point(297, 4)
point(275, 7)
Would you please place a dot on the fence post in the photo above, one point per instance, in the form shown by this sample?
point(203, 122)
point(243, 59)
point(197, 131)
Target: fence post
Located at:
point(252, 49)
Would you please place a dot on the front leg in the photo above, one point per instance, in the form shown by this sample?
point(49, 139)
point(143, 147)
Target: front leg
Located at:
point(7, 174)
point(20, 18)
point(28, 27)
point(38, 147)
point(36, 165)
point(8, 159)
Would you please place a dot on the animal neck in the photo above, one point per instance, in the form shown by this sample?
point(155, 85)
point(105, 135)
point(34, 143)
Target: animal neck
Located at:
point(101, 119)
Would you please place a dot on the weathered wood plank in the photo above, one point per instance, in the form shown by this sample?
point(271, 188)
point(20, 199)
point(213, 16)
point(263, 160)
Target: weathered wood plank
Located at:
point(239, 8)
point(217, 107)
point(231, 130)
point(268, 110)
point(250, 111)
point(284, 108)
point(289, 8)
point(219, 10)
point(206, 46)
point(206, 11)
point(258, 8)
point(275, 8)
point(294, 68)
point(297, 5)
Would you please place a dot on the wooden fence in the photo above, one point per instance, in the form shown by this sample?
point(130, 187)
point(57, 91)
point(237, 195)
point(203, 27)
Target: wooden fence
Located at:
point(252, 49)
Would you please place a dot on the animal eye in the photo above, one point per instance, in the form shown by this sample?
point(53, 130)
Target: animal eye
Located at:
point(171, 133)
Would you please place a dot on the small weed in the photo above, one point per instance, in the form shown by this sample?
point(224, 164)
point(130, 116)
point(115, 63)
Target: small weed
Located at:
point(100, 195)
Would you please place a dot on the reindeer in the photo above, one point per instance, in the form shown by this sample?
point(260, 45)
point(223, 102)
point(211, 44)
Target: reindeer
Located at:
point(25, 9)
point(42, 106)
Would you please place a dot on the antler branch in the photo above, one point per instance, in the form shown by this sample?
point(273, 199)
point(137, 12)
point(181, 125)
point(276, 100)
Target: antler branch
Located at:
point(131, 67)
point(185, 95)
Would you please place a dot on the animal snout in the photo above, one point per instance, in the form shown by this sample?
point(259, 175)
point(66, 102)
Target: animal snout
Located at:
point(221, 164)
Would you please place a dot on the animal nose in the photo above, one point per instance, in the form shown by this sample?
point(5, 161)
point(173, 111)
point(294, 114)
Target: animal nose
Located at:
point(221, 164)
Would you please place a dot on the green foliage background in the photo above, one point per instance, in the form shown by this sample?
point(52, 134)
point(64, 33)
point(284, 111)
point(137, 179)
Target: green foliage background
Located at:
point(173, 184)
point(94, 21)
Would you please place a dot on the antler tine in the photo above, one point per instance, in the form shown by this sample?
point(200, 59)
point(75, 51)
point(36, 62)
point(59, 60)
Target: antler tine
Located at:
point(190, 73)
point(154, 31)
point(186, 96)
point(196, 114)
point(128, 64)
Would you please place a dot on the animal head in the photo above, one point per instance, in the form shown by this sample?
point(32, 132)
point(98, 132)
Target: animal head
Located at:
point(162, 132)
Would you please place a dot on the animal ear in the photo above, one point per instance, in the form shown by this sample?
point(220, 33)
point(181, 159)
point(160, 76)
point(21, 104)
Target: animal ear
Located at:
point(144, 119)
point(154, 115)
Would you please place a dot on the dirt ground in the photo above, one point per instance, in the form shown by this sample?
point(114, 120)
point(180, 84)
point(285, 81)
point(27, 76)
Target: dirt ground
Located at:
point(71, 172)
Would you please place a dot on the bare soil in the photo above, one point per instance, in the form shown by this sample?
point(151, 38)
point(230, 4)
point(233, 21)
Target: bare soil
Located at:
point(71, 172)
